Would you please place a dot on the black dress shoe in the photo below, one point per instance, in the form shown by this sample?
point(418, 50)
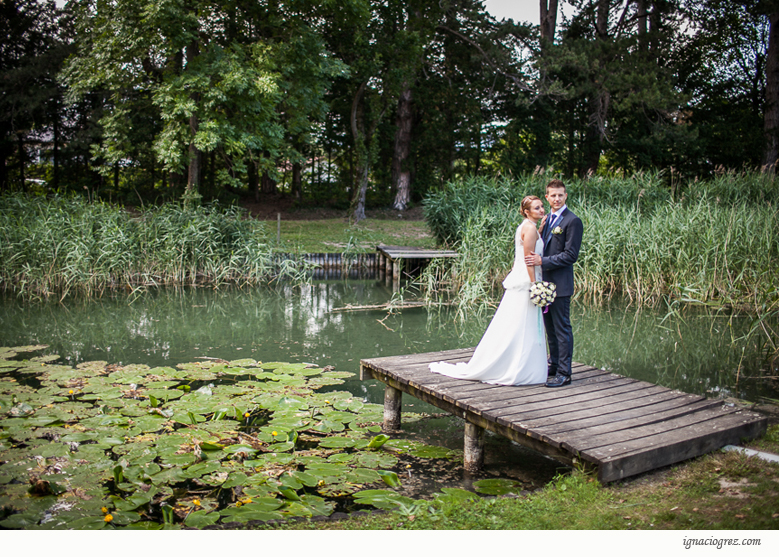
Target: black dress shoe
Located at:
point(558, 381)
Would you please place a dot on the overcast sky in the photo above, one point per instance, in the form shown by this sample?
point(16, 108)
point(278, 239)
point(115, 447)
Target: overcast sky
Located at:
point(521, 10)
point(518, 10)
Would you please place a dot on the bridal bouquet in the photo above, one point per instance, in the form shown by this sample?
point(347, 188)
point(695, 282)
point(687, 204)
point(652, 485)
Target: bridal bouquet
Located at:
point(542, 293)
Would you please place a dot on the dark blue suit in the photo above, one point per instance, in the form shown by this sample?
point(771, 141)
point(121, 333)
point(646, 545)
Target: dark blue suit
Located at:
point(560, 253)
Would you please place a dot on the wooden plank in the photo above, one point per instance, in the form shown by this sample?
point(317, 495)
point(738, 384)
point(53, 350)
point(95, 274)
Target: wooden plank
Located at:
point(588, 396)
point(623, 436)
point(617, 425)
point(632, 417)
point(674, 447)
point(617, 409)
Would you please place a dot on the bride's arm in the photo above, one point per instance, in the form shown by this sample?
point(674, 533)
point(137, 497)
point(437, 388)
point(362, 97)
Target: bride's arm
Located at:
point(529, 237)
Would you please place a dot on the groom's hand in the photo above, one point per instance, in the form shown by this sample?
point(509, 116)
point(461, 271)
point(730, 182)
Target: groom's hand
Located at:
point(533, 260)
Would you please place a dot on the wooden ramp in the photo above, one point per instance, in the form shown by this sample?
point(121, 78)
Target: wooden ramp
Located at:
point(393, 258)
point(617, 425)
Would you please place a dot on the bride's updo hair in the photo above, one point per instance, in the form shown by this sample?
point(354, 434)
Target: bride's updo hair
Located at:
point(525, 207)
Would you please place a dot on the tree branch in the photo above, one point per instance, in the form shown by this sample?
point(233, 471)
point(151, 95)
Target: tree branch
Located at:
point(486, 57)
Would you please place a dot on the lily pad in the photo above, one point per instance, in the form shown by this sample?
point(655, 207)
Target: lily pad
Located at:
point(200, 519)
point(497, 486)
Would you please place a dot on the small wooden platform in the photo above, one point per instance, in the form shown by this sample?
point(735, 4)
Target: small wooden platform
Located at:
point(391, 259)
point(614, 424)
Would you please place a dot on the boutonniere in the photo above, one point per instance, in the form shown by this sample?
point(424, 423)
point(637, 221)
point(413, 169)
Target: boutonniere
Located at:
point(557, 230)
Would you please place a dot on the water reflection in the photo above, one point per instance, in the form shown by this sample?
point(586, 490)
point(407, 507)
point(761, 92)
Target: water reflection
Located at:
point(693, 352)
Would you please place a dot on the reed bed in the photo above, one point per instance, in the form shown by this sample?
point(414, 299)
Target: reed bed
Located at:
point(63, 245)
point(713, 243)
point(716, 243)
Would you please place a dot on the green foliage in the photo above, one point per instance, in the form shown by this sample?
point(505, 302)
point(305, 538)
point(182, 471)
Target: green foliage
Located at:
point(66, 244)
point(92, 431)
point(714, 243)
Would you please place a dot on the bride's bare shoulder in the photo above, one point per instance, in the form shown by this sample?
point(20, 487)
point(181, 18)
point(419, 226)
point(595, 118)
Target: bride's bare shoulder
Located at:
point(526, 227)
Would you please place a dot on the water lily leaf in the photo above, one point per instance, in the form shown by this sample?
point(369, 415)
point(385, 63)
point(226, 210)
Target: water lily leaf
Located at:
point(234, 371)
point(337, 442)
point(431, 451)
point(179, 459)
point(390, 478)
point(42, 421)
point(281, 447)
point(342, 417)
point(200, 519)
point(235, 479)
point(20, 521)
point(363, 476)
point(377, 460)
point(378, 441)
point(131, 503)
point(290, 481)
point(240, 448)
point(296, 509)
point(206, 446)
point(317, 505)
point(381, 498)
point(201, 469)
point(327, 469)
point(456, 494)
point(341, 457)
point(309, 480)
point(288, 493)
point(497, 486)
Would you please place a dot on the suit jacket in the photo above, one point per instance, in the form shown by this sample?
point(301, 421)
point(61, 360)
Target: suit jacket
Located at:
point(561, 251)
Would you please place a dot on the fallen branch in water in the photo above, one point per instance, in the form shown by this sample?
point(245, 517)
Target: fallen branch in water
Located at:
point(386, 306)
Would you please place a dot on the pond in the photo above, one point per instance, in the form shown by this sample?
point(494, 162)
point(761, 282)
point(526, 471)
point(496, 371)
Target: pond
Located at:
point(693, 351)
point(697, 350)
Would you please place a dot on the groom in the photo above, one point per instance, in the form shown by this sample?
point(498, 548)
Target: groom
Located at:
point(562, 236)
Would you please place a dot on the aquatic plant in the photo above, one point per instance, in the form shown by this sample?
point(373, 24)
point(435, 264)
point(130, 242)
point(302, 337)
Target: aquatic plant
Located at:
point(109, 446)
point(714, 243)
point(61, 245)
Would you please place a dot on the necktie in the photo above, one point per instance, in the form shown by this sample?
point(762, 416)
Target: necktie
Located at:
point(550, 224)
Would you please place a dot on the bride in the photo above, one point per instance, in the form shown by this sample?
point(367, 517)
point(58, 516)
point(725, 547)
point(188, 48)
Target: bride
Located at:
point(513, 349)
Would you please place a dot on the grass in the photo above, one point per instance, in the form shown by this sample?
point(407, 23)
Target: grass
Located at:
point(338, 236)
point(720, 491)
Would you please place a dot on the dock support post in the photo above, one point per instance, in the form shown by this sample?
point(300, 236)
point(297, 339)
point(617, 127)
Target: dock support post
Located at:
point(473, 450)
point(392, 404)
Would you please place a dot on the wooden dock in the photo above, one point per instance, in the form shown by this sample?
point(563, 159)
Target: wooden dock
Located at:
point(616, 425)
point(392, 259)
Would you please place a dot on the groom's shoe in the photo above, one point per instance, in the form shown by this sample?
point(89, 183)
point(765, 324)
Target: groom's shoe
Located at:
point(558, 381)
point(551, 372)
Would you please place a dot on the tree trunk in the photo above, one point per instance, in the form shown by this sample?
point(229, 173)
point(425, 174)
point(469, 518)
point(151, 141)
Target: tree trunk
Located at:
point(56, 151)
point(362, 157)
point(771, 118)
point(297, 181)
point(362, 190)
point(254, 180)
point(268, 184)
point(401, 175)
point(195, 155)
point(548, 21)
point(642, 24)
point(20, 137)
point(599, 101)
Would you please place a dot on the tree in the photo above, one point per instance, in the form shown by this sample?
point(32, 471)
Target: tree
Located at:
point(213, 74)
point(30, 56)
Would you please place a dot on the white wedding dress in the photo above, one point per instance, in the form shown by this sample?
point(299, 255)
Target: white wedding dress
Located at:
point(513, 349)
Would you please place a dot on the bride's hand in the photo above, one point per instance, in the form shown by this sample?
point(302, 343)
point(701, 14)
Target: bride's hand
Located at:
point(543, 222)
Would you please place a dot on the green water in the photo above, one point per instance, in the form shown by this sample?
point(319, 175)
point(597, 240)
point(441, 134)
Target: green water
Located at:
point(693, 351)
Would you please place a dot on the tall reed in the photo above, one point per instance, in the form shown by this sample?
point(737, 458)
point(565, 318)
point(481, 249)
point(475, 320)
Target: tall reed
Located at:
point(60, 245)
